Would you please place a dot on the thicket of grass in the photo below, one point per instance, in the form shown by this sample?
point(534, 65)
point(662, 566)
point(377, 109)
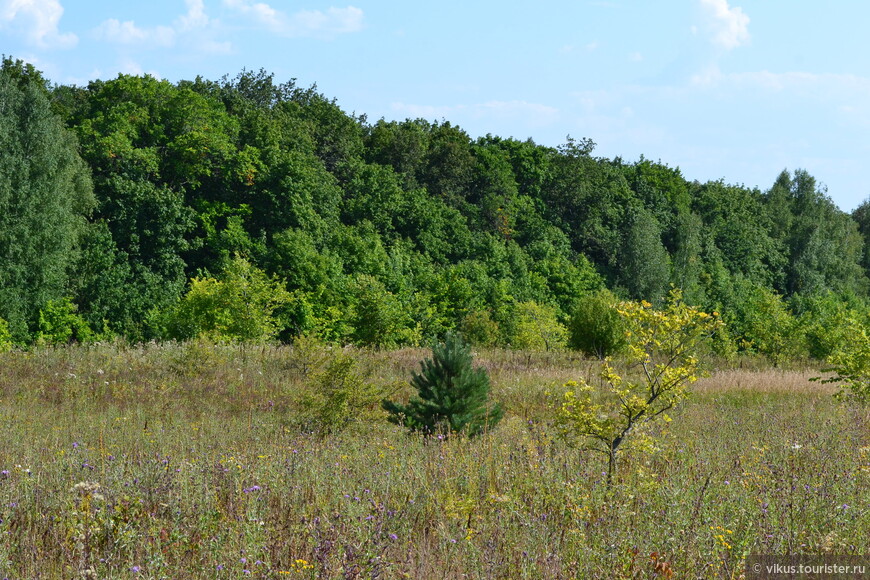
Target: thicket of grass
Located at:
point(172, 461)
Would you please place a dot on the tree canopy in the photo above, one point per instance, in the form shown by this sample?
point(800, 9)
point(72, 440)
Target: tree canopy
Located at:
point(130, 197)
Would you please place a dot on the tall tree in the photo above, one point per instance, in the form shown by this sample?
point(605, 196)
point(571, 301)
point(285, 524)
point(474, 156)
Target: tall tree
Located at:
point(824, 246)
point(645, 265)
point(45, 193)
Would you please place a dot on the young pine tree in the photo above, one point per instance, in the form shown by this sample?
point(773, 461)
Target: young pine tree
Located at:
point(451, 395)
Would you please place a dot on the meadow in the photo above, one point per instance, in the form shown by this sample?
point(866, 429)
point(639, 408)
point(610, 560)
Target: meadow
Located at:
point(189, 460)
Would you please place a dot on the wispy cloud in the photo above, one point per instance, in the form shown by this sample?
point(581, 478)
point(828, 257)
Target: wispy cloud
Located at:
point(314, 23)
point(190, 28)
point(728, 27)
point(194, 18)
point(117, 32)
point(37, 21)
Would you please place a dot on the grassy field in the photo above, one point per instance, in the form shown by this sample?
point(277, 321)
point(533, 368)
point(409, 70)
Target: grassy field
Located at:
point(193, 461)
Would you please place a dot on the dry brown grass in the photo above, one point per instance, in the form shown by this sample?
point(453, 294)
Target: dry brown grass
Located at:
point(764, 381)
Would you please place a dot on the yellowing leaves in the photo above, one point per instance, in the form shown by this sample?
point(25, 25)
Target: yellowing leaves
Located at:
point(661, 364)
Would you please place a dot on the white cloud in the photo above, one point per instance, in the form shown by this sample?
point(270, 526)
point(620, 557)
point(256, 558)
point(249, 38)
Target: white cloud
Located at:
point(303, 23)
point(128, 33)
point(824, 85)
point(38, 21)
point(193, 28)
point(131, 67)
point(195, 17)
point(729, 27)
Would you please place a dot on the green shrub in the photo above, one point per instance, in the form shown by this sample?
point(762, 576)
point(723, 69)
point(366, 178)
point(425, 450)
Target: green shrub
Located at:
point(596, 327)
point(340, 395)
point(537, 327)
point(238, 306)
point(479, 329)
point(5, 336)
point(60, 323)
point(452, 396)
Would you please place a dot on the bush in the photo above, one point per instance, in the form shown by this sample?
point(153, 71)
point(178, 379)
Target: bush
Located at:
point(60, 323)
point(850, 363)
point(379, 319)
point(239, 306)
point(596, 327)
point(537, 327)
point(479, 329)
point(341, 395)
point(452, 396)
point(5, 336)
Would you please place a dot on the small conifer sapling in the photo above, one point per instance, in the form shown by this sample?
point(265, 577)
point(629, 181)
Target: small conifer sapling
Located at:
point(452, 396)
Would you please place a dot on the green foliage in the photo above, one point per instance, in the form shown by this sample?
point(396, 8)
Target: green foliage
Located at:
point(379, 319)
point(644, 265)
point(452, 396)
point(850, 364)
point(767, 325)
point(104, 285)
point(45, 193)
point(60, 323)
point(240, 305)
point(822, 320)
point(537, 327)
point(386, 234)
point(824, 246)
point(5, 336)
point(661, 353)
point(340, 395)
point(479, 329)
point(596, 328)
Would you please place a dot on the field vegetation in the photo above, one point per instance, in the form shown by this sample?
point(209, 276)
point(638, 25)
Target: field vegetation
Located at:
point(199, 460)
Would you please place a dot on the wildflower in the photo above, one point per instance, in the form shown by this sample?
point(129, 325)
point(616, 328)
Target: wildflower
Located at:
point(135, 569)
point(75, 445)
point(394, 537)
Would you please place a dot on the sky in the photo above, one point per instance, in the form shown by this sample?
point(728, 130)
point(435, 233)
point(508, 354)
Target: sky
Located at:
point(736, 90)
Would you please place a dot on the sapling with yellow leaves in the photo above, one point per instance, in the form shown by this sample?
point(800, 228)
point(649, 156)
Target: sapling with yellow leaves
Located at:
point(850, 363)
point(662, 363)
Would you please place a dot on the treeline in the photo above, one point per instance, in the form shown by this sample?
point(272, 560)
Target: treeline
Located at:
point(247, 209)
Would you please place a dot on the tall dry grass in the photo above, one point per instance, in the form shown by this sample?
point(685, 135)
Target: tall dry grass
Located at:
point(188, 461)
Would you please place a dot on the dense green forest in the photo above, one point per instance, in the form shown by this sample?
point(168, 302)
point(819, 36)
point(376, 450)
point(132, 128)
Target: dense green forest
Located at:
point(245, 209)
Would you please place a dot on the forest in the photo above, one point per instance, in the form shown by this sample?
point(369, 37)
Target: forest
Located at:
point(624, 377)
point(245, 209)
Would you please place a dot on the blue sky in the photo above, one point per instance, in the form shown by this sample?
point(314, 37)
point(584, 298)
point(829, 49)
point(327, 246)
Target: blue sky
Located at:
point(730, 89)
